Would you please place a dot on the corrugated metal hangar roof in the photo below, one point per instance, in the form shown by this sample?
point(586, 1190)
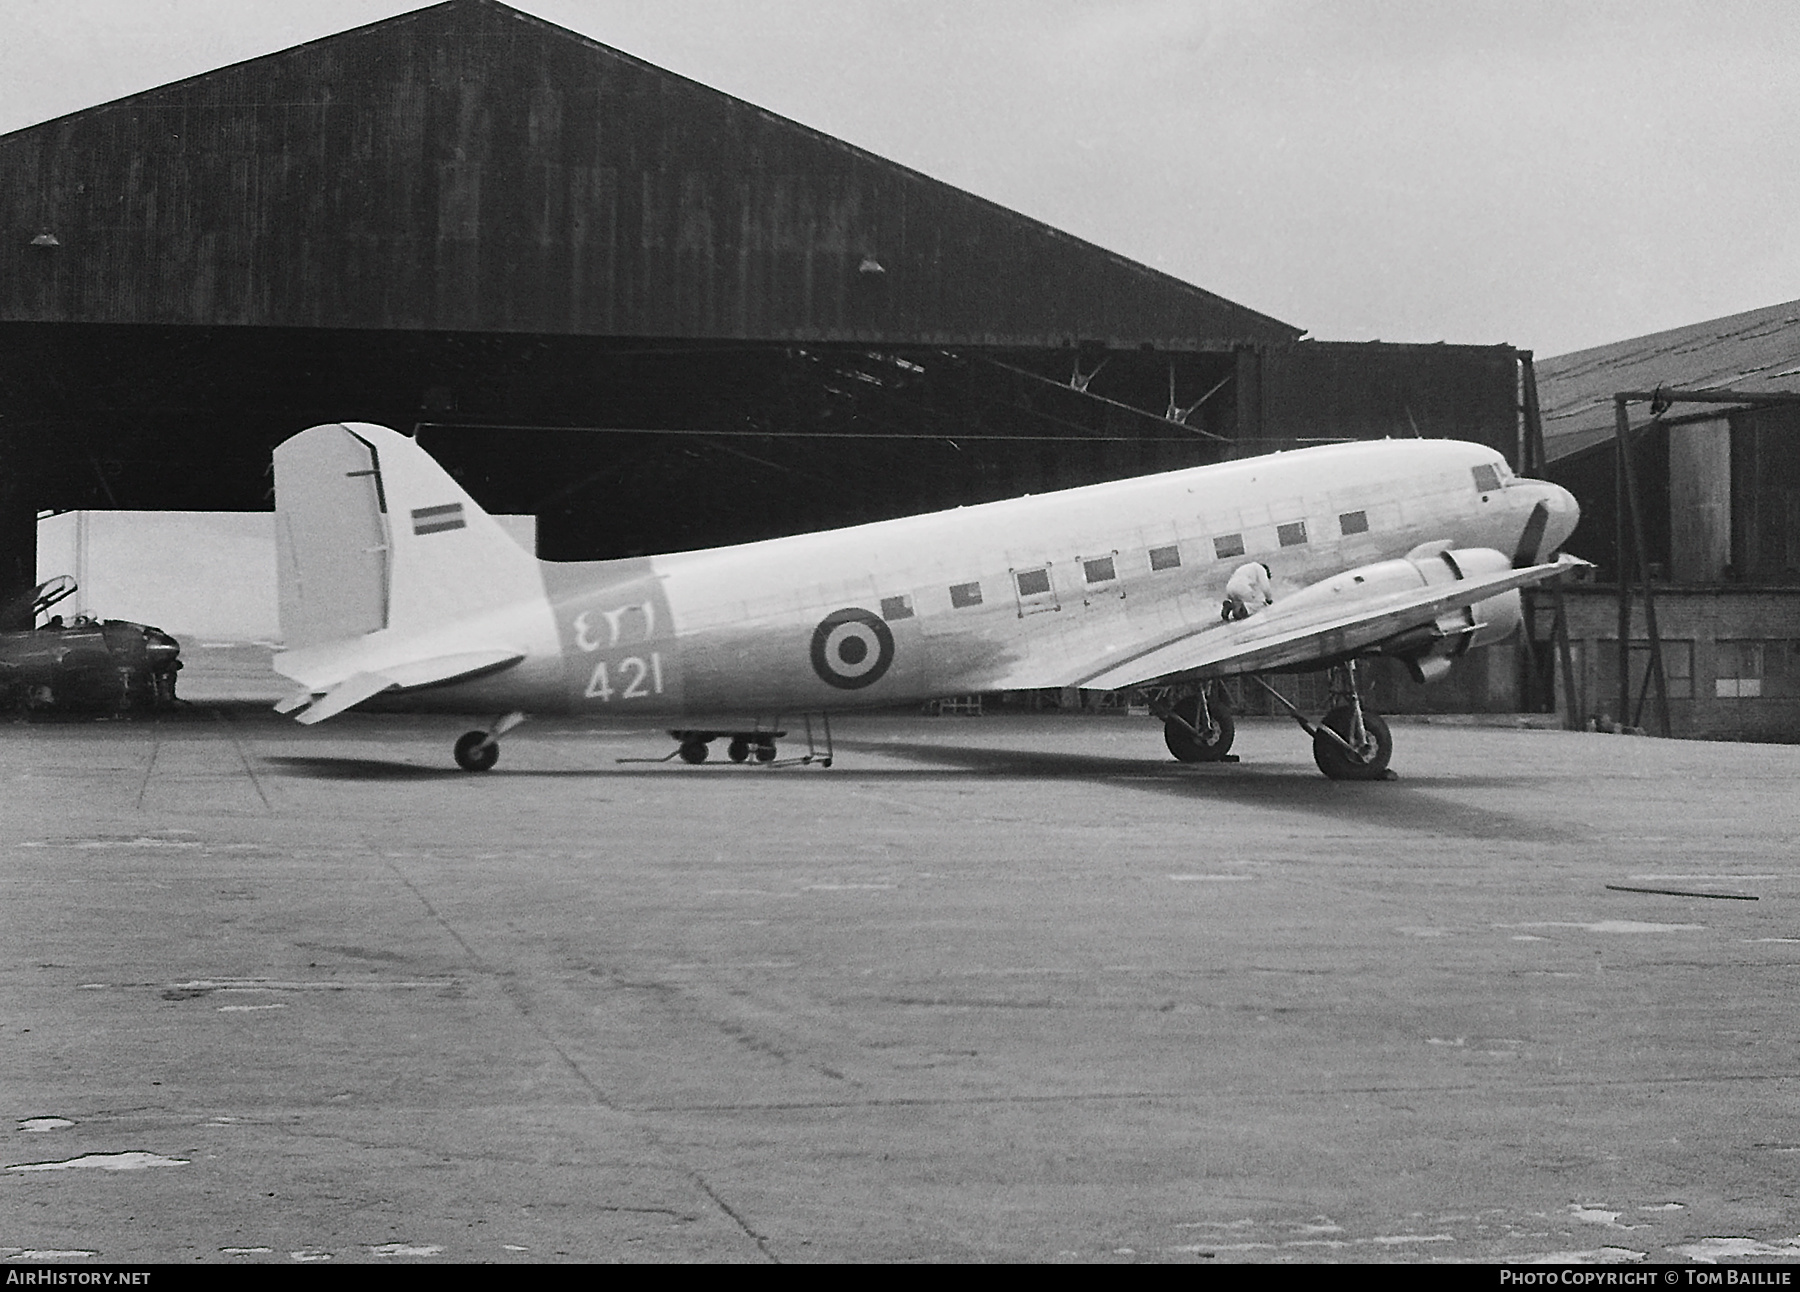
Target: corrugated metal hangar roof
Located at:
point(1758, 352)
point(470, 167)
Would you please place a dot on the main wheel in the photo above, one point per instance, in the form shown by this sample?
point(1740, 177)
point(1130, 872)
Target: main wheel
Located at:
point(1377, 747)
point(693, 751)
point(475, 752)
point(1197, 749)
point(765, 752)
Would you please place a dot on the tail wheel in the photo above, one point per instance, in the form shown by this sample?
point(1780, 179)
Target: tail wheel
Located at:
point(475, 752)
point(1189, 748)
point(1376, 747)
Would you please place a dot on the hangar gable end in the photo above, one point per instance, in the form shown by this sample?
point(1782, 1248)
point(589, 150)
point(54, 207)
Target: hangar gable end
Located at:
point(470, 167)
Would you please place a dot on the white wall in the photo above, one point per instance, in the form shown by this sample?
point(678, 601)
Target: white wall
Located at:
point(203, 576)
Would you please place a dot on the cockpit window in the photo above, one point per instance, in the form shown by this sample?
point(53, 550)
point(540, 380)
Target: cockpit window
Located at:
point(1487, 478)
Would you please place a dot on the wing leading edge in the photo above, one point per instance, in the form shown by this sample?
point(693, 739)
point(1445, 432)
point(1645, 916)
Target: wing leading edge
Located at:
point(1310, 632)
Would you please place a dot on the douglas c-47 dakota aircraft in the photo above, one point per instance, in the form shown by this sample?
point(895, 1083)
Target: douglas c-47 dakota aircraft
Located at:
point(397, 590)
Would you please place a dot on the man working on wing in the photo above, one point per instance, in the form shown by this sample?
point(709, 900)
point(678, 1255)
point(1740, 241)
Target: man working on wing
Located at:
point(1247, 592)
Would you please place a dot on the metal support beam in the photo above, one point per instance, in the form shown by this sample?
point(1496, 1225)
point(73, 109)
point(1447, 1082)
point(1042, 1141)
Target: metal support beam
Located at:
point(1531, 465)
point(1720, 396)
point(18, 536)
point(1572, 685)
point(1628, 475)
point(1531, 447)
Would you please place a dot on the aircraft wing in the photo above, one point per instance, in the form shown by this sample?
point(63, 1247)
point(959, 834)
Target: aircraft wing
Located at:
point(1312, 632)
point(356, 688)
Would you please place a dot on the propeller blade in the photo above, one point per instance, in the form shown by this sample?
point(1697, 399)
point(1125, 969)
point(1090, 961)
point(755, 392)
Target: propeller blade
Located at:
point(1526, 554)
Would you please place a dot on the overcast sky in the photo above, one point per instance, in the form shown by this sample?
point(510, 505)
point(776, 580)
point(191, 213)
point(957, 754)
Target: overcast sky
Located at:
point(1553, 175)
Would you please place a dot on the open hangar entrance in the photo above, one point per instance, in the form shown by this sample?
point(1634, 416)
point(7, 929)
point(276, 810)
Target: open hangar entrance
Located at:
point(652, 316)
point(617, 445)
point(627, 445)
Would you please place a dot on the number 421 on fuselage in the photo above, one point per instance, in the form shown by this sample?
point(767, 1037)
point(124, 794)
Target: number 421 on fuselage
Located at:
point(399, 592)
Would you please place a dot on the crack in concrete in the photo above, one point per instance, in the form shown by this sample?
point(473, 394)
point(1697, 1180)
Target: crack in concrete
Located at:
point(244, 758)
point(150, 766)
point(601, 1097)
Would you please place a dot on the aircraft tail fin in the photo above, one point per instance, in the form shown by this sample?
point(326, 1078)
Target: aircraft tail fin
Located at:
point(371, 533)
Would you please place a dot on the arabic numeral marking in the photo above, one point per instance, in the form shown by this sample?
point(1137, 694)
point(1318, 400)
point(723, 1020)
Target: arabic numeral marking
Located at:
point(638, 677)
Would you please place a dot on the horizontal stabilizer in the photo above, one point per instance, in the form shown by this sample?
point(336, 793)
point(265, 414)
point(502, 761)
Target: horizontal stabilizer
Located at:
point(352, 690)
point(1316, 631)
point(298, 700)
point(411, 675)
point(445, 669)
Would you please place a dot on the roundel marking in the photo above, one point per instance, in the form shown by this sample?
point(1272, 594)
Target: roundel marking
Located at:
point(851, 649)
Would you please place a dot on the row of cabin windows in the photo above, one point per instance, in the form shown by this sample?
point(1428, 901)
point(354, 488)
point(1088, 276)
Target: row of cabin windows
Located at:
point(1104, 569)
point(1101, 569)
point(1292, 534)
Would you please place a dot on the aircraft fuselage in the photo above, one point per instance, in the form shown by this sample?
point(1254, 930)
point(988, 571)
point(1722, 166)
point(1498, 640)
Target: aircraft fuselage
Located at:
point(1008, 595)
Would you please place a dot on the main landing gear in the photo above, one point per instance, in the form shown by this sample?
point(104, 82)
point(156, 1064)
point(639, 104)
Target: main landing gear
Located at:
point(1350, 743)
point(1197, 728)
point(478, 751)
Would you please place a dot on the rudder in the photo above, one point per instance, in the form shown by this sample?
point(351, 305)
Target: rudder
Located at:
point(371, 533)
point(330, 538)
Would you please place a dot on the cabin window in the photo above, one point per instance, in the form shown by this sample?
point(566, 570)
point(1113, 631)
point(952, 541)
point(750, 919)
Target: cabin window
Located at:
point(1226, 546)
point(896, 608)
point(1099, 569)
point(1291, 534)
point(1165, 558)
point(1033, 583)
point(1036, 593)
point(1354, 522)
point(1487, 478)
point(963, 595)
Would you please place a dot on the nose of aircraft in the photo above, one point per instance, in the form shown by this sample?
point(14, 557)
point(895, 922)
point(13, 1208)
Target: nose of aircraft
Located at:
point(1552, 518)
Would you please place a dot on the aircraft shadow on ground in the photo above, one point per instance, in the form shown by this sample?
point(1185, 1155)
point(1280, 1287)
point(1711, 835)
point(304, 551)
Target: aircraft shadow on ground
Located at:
point(359, 769)
point(1406, 804)
point(1410, 804)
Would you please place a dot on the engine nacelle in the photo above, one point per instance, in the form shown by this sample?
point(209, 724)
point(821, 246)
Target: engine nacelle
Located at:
point(1456, 632)
point(1429, 650)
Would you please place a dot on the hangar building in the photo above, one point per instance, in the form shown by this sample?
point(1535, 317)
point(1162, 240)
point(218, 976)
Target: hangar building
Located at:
point(644, 312)
point(1718, 482)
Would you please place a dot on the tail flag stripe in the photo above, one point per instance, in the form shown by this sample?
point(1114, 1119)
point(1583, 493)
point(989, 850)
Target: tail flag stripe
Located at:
point(435, 520)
